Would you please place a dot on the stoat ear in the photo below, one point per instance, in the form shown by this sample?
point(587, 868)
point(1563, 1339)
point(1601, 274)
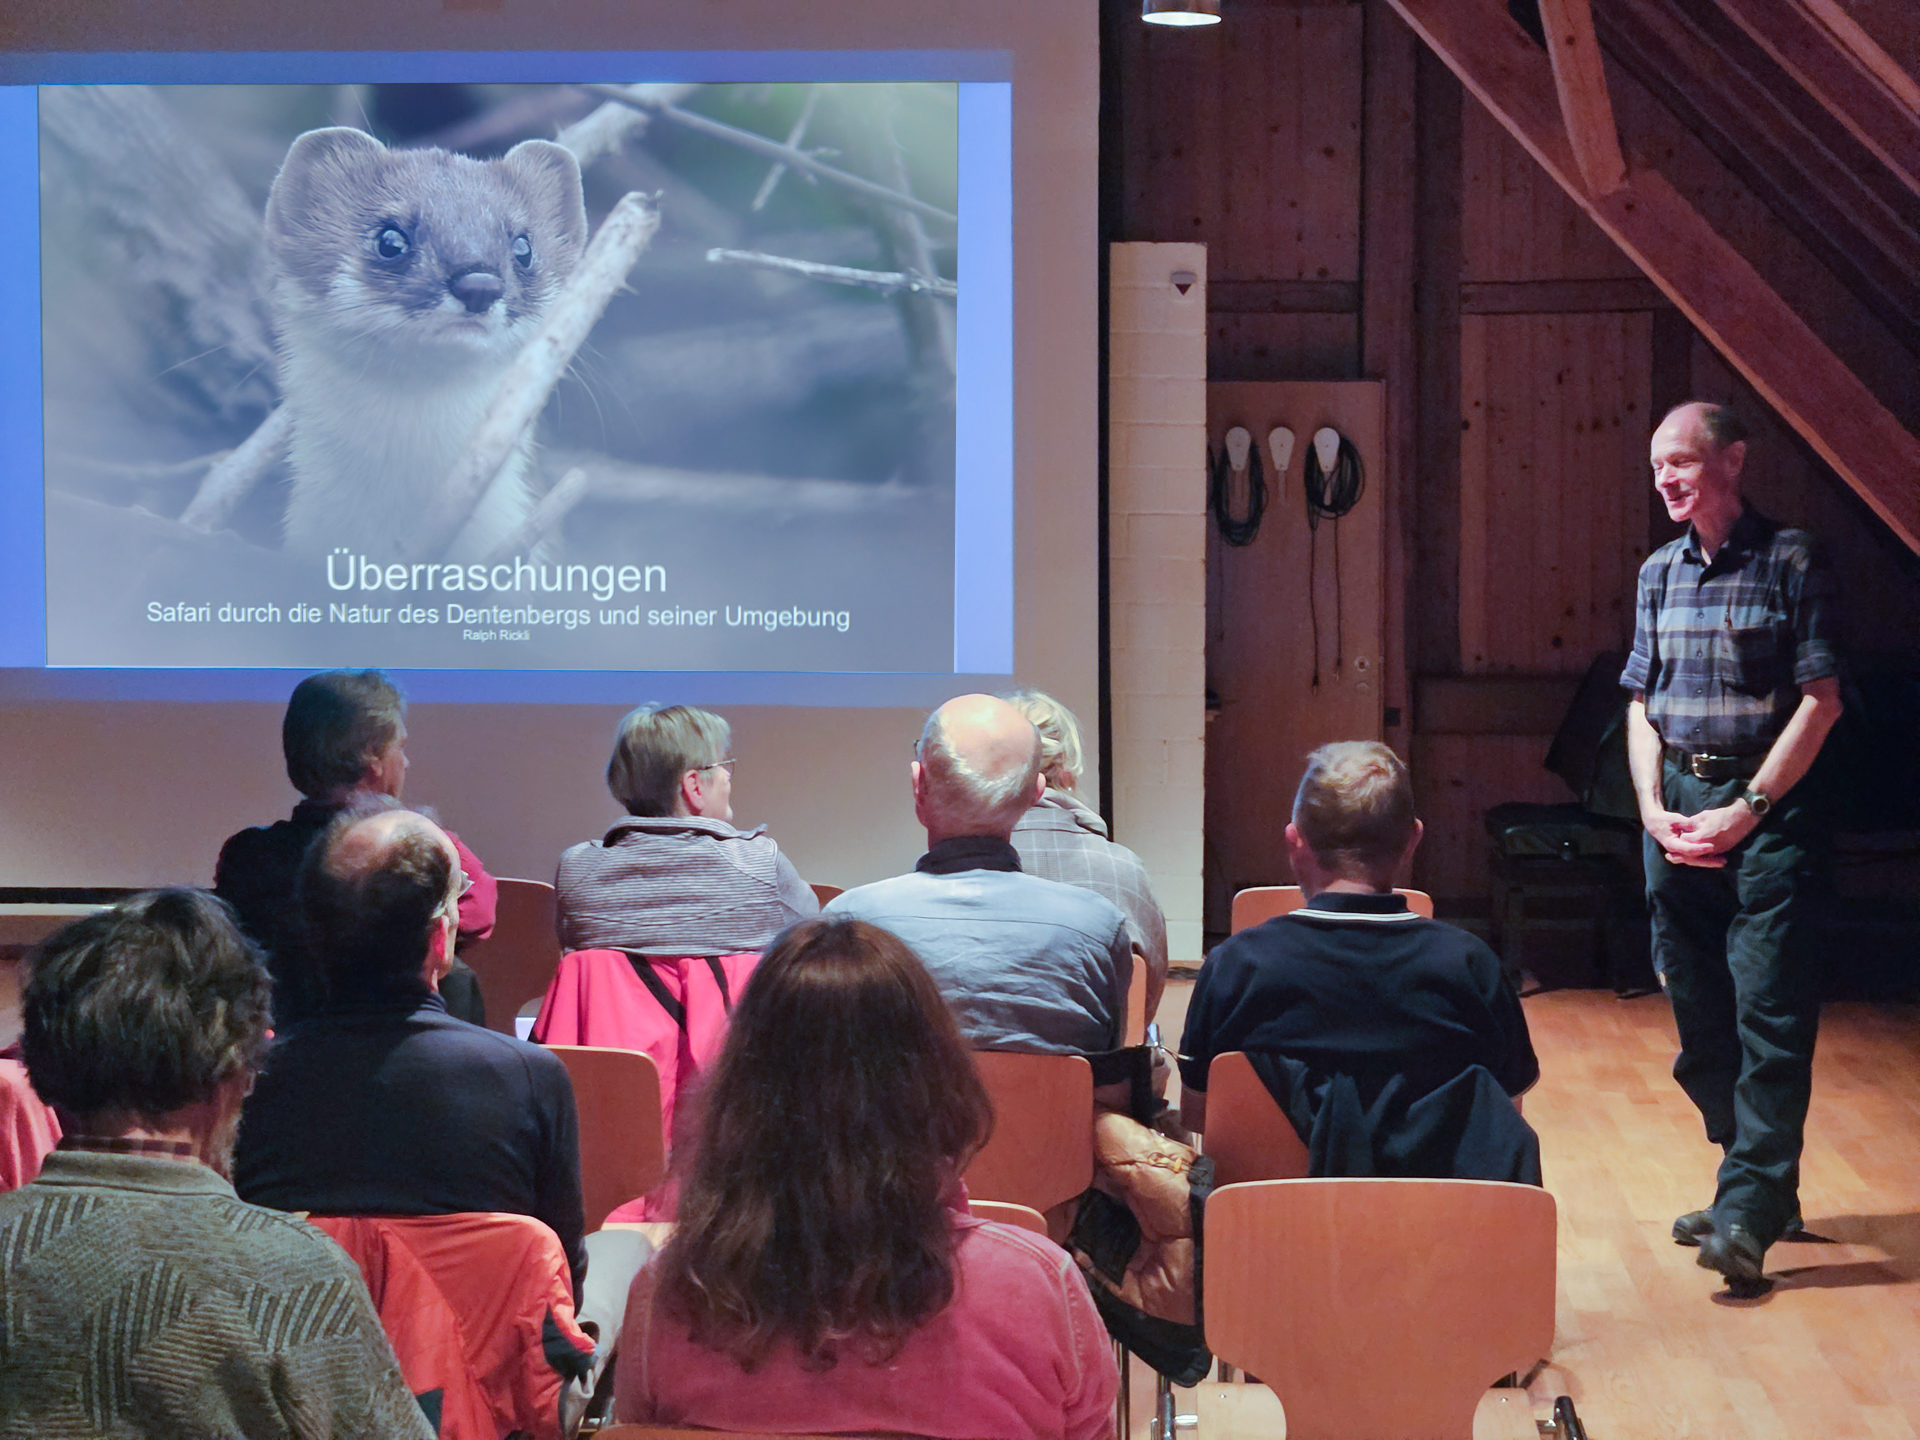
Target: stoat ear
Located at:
point(551, 173)
point(317, 178)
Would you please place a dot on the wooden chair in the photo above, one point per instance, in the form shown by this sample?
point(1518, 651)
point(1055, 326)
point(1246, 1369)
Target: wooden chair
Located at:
point(1248, 1135)
point(1041, 1151)
point(517, 961)
point(1023, 1216)
point(1263, 902)
point(1380, 1307)
point(623, 1151)
point(1136, 1021)
point(824, 893)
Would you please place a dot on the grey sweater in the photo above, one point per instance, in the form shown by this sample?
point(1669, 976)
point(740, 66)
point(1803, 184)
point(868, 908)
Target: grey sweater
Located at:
point(139, 1296)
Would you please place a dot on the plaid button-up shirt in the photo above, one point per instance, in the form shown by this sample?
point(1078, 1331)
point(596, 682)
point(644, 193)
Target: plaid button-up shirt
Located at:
point(1721, 649)
point(1061, 839)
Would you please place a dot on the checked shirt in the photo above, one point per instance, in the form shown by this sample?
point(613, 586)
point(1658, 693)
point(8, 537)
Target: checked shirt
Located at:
point(1721, 649)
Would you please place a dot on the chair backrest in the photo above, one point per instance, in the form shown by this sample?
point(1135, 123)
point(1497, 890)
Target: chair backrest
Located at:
point(504, 1284)
point(1136, 1021)
point(1380, 1307)
point(1262, 902)
point(516, 962)
point(1025, 1216)
point(623, 1145)
point(1248, 1134)
point(1041, 1151)
point(28, 1127)
point(824, 893)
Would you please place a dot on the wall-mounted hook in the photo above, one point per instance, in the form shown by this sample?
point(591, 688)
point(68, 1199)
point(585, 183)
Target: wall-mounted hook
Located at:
point(1280, 446)
point(1239, 442)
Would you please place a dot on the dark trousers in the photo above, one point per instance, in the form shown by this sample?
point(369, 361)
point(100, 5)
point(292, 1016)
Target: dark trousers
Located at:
point(1732, 948)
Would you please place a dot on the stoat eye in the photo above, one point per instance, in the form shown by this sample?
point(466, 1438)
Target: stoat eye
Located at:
point(523, 252)
point(391, 243)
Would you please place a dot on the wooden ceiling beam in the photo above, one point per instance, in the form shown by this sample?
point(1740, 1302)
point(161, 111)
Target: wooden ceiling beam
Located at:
point(1840, 64)
point(1674, 245)
point(1580, 78)
point(1848, 209)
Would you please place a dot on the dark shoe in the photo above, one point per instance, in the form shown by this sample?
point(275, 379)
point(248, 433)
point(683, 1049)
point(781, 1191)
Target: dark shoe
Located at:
point(1734, 1252)
point(1693, 1227)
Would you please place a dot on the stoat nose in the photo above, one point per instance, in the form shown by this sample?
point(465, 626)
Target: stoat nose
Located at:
point(476, 289)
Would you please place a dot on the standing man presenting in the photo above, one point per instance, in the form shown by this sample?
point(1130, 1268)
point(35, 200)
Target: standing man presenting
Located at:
point(1736, 685)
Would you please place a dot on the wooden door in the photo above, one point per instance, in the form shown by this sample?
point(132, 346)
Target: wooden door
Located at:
point(1265, 712)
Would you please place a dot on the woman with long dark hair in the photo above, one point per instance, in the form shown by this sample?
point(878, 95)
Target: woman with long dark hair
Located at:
point(825, 1275)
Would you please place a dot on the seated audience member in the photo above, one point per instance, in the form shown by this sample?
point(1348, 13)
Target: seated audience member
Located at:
point(344, 736)
point(1392, 1042)
point(143, 1298)
point(825, 1276)
point(1025, 963)
point(674, 877)
point(383, 1104)
point(1059, 838)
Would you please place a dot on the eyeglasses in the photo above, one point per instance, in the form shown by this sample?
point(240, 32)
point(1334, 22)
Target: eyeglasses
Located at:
point(726, 765)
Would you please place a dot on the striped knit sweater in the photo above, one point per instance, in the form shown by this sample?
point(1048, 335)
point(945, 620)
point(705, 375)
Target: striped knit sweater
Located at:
point(139, 1296)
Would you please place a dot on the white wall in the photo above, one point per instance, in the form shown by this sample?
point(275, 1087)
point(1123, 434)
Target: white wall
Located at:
point(1157, 569)
point(137, 794)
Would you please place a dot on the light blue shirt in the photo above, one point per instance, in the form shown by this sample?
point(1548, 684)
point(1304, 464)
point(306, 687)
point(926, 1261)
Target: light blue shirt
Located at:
point(1025, 964)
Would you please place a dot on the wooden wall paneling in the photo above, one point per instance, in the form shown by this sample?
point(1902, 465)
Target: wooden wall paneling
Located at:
point(1456, 779)
point(1326, 47)
point(1434, 642)
point(1519, 225)
point(1547, 297)
point(1476, 424)
point(1670, 384)
point(1553, 410)
point(1388, 221)
point(1261, 665)
point(1282, 347)
point(1170, 125)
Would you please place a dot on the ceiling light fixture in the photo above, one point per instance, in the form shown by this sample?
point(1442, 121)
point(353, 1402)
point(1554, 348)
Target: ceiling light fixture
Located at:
point(1180, 12)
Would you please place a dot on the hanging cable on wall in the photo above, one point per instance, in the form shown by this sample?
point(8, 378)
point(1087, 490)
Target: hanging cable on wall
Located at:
point(1236, 453)
point(1332, 482)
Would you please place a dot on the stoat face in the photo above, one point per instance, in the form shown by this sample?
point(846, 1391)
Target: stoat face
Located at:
point(394, 257)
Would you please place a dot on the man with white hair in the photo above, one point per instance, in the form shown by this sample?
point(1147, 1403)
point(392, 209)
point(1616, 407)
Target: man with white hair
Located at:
point(1025, 964)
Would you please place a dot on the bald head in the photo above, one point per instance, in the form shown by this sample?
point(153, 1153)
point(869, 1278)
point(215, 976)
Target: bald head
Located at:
point(978, 771)
point(373, 890)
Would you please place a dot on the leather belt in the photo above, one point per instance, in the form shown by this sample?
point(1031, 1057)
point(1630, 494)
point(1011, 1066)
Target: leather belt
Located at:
point(1721, 767)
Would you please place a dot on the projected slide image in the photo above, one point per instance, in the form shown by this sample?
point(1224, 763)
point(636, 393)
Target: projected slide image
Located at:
point(480, 376)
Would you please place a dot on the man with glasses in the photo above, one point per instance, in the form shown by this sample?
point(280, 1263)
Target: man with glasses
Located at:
point(675, 878)
point(383, 1104)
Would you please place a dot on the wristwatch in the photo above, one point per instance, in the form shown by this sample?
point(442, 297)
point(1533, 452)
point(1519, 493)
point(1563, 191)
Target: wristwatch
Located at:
point(1757, 802)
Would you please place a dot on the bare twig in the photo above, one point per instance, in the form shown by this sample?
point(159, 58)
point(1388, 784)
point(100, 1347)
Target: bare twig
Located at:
point(616, 122)
point(909, 238)
point(524, 389)
point(552, 509)
point(142, 471)
point(232, 479)
point(888, 282)
point(772, 149)
point(794, 137)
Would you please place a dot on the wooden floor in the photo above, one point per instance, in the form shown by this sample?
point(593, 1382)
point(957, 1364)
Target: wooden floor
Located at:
point(1649, 1345)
